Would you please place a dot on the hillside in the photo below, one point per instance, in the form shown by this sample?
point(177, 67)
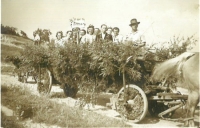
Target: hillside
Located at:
point(11, 46)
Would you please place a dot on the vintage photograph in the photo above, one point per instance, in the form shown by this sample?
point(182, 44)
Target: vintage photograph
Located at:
point(100, 63)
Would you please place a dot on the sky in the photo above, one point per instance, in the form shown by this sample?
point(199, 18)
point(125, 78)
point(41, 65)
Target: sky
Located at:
point(160, 20)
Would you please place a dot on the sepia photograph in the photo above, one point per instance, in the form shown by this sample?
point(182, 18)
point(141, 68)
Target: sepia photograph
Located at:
point(100, 63)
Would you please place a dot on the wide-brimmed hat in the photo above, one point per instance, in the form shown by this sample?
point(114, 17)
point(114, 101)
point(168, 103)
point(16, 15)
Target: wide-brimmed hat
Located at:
point(133, 22)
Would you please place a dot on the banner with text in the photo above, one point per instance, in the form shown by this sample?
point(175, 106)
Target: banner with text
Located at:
point(78, 22)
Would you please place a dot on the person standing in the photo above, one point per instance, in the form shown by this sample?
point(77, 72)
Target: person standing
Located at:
point(36, 39)
point(116, 37)
point(89, 37)
point(103, 36)
point(96, 31)
point(82, 33)
point(109, 30)
point(75, 35)
point(59, 41)
point(68, 36)
point(136, 37)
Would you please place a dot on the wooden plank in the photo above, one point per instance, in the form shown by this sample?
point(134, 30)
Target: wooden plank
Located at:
point(159, 98)
point(168, 97)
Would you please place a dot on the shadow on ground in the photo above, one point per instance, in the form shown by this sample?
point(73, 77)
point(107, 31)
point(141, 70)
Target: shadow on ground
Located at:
point(105, 98)
point(57, 95)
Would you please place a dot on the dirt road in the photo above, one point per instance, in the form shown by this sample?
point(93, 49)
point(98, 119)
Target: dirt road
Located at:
point(149, 121)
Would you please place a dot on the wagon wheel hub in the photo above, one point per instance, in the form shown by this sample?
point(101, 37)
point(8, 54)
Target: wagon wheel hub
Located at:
point(135, 107)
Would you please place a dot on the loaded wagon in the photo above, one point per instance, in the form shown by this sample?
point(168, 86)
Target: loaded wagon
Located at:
point(132, 101)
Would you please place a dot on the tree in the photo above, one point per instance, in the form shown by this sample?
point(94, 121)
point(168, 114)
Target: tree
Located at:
point(8, 30)
point(24, 34)
point(43, 34)
point(13, 31)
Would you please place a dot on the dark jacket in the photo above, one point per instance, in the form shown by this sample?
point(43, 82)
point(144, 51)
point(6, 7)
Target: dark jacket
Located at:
point(107, 37)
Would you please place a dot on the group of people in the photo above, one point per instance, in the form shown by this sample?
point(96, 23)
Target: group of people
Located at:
point(105, 33)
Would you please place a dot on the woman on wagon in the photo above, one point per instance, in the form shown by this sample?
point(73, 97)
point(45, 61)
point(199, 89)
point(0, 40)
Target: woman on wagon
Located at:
point(59, 41)
point(89, 37)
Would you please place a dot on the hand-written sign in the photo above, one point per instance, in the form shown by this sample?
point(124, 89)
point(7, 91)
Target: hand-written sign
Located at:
point(77, 22)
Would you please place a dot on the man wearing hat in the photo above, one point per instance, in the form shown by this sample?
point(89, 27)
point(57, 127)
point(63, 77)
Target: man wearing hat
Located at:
point(136, 38)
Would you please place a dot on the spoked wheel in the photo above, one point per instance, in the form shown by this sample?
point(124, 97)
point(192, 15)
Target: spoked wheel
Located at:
point(135, 107)
point(45, 81)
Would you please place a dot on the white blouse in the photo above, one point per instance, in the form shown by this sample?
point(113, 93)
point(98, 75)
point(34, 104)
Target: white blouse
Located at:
point(88, 38)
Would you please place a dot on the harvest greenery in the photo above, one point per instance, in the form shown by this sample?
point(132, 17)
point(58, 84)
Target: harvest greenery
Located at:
point(99, 64)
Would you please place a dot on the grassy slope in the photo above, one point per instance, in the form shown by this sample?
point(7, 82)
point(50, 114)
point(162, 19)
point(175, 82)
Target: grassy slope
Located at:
point(7, 122)
point(11, 46)
point(45, 111)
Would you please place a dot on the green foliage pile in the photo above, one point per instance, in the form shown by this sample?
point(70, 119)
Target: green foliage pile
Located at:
point(173, 48)
point(85, 63)
point(99, 63)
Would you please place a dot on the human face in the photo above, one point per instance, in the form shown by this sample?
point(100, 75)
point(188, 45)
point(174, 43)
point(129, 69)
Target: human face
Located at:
point(116, 32)
point(90, 31)
point(109, 31)
point(69, 34)
point(103, 29)
point(82, 33)
point(96, 31)
point(74, 34)
point(134, 27)
point(59, 36)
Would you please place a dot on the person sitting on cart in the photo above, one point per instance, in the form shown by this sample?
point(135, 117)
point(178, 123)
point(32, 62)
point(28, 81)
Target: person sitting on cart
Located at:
point(137, 38)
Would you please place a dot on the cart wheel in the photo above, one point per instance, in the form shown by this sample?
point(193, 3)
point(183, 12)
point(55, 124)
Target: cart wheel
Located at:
point(136, 106)
point(69, 91)
point(45, 83)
